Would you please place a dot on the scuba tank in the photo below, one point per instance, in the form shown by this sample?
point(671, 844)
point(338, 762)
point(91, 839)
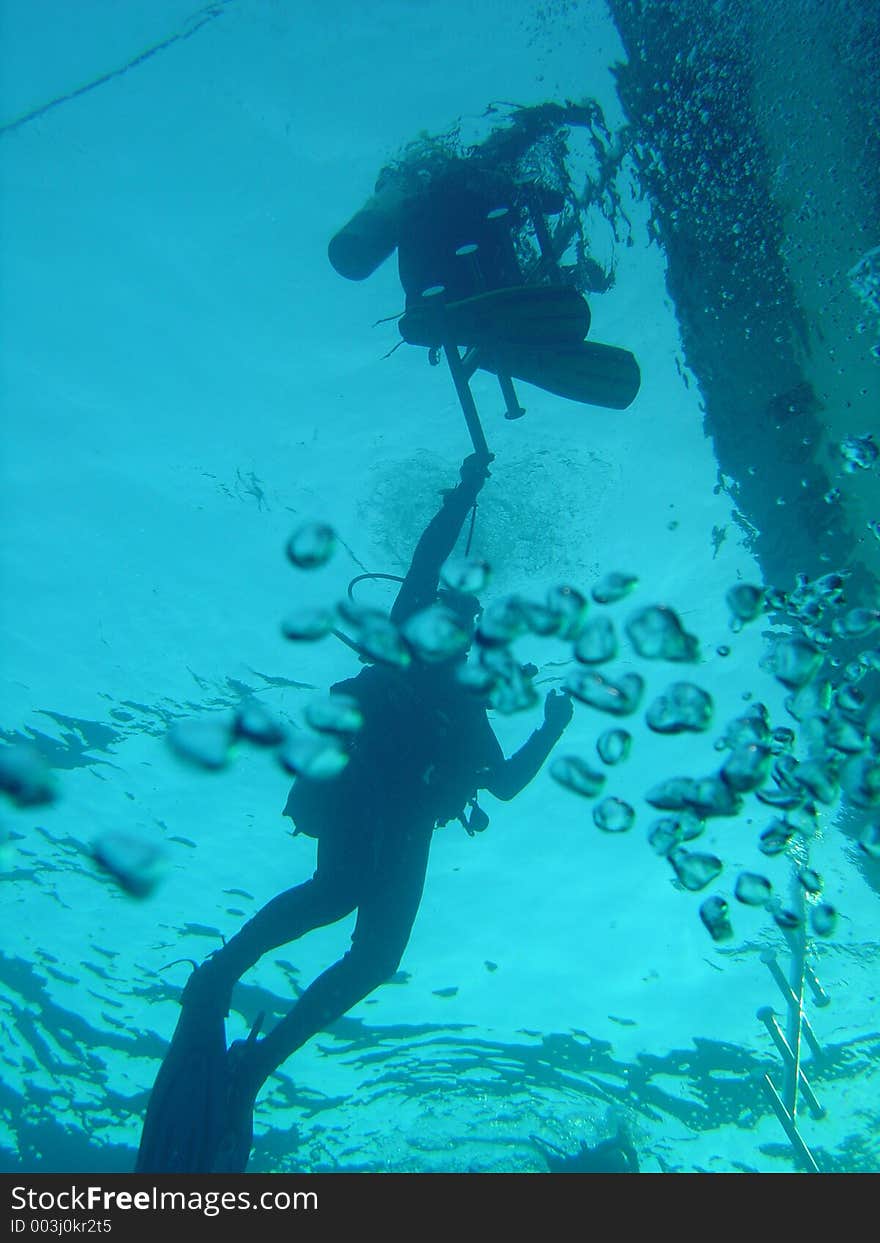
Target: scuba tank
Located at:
point(371, 235)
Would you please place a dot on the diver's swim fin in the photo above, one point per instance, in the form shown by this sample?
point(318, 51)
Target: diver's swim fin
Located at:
point(523, 315)
point(597, 375)
point(237, 1135)
point(185, 1115)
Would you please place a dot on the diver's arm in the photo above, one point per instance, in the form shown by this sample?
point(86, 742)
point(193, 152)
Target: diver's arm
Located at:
point(419, 589)
point(513, 775)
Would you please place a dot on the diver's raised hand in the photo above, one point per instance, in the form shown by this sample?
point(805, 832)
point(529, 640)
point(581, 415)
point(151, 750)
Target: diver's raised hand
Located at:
point(558, 711)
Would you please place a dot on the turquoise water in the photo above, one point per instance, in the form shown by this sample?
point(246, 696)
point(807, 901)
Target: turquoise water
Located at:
point(185, 380)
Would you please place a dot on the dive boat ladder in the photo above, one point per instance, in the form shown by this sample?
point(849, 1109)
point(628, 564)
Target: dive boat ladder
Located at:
point(789, 1042)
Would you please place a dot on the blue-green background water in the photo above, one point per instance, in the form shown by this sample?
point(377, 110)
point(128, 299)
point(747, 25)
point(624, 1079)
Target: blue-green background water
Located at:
point(185, 378)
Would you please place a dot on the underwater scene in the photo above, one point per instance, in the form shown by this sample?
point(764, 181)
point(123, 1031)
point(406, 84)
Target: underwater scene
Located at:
point(440, 581)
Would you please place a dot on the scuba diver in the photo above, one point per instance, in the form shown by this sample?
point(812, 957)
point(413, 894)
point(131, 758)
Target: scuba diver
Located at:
point(424, 750)
point(481, 267)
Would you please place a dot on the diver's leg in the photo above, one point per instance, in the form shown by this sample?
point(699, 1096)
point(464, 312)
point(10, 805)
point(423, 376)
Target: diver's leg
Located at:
point(388, 906)
point(390, 896)
point(331, 894)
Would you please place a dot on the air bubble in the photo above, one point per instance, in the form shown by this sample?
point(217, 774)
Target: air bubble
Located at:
point(307, 624)
point(656, 633)
point(597, 642)
point(135, 863)
point(337, 714)
point(575, 774)
point(25, 775)
point(613, 815)
point(695, 871)
point(614, 746)
point(683, 707)
point(465, 574)
point(620, 698)
point(823, 919)
point(613, 587)
point(435, 634)
point(715, 917)
point(204, 741)
point(752, 889)
point(311, 545)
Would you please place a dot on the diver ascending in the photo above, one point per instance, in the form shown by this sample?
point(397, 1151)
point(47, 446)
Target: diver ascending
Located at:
point(426, 747)
point(482, 269)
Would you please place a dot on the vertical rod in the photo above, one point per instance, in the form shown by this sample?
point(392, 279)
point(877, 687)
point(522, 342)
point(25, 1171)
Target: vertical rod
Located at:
point(513, 410)
point(548, 255)
point(466, 397)
point(797, 939)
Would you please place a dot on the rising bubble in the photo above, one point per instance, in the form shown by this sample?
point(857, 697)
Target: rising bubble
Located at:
point(25, 775)
point(775, 838)
point(746, 767)
point(134, 862)
point(613, 587)
point(613, 815)
point(682, 708)
point(307, 624)
point(656, 633)
point(465, 574)
point(202, 741)
point(784, 916)
point(823, 919)
point(810, 879)
point(745, 602)
point(620, 697)
point(795, 662)
point(597, 642)
point(311, 545)
point(337, 714)
point(575, 774)
point(858, 452)
point(320, 759)
point(570, 606)
point(256, 723)
point(614, 746)
point(714, 914)
point(435, 634)
point(695, 871)
point(752, 889)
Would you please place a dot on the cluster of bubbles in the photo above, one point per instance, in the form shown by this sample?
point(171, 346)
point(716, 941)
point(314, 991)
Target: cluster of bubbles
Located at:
point(864, 279)
point(837, 740)
point(135, 862)
point(859, 453)
point(838, 736)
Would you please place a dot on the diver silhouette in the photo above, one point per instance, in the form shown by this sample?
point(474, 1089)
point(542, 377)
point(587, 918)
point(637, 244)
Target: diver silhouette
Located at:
point(425, 748)
point(483, 266)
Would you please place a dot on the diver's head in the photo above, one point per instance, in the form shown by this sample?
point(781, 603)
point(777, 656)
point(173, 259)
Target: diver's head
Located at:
point(463, 605)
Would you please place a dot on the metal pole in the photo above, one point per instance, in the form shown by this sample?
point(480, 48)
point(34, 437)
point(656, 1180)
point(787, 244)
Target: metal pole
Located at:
point(797, 940)
point(801, 1149)
point(768, 1018)
point(466, 398)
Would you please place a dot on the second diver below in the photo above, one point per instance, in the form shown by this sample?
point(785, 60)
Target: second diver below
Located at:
point(425, 748)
